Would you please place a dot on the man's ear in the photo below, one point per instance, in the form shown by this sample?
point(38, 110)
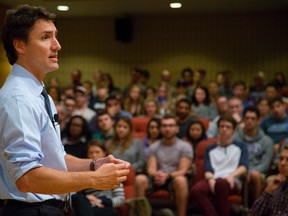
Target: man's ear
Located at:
point(19, 46)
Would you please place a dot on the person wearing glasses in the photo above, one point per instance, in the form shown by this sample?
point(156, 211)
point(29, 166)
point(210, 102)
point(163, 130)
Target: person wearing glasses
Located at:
point(169, 160)
point(36, 173)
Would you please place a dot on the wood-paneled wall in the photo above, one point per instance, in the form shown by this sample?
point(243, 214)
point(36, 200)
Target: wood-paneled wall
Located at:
point(243, 43)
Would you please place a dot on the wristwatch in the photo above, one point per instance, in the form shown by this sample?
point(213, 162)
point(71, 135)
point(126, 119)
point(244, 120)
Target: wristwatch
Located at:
point(92, 165)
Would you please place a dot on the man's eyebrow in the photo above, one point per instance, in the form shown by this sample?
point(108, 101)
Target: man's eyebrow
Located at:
point(50, 32)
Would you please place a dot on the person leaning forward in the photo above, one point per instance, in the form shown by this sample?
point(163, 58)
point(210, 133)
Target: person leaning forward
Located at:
point(36, 173)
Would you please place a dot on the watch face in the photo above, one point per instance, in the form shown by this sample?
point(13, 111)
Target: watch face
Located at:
point(92, 165)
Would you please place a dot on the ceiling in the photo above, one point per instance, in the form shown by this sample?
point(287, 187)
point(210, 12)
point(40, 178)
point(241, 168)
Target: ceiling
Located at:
point(153, 7)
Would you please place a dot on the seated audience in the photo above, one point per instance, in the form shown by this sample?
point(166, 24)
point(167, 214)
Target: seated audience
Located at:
point(224, 163)
point(271, 91)
point(105, 125)
point(169, 159)
point(150, 93)
point(135, 75)
point(279, 80)
point(180, 90)
point(133, 103)
point(226, 86)
point(62, 118)
point(187, 75)
point(213, 89)
point(276, 124)
point(274, 199)
point(153, 133)
point(82, 109)
point(264, 109)
point(257, 91)
point(260, 149)
point(222, 108)
point(113, 108)
point(76, 76)
point(96, 77)
point(183, 116)
point(195, 133)
point(98, 103)
point(76, 136)
point(68, 91)
point(151, 108)
point(88, 85)
point(124, 146)
point(219, 78)
point(144, 79)
point(164, 99)
point(240, 91)
point(236, 110)
point(165, 79)
point(107, 80)
point(55, 94)
point(93, 202)
point(198, 77)
point(201, 104)
point(70, 105)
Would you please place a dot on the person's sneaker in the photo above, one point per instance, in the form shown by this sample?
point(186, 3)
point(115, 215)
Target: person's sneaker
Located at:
point(164, 212)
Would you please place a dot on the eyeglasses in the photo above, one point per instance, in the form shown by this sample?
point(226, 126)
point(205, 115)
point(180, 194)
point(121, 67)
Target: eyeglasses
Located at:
point(168, 125)
point(250, 118)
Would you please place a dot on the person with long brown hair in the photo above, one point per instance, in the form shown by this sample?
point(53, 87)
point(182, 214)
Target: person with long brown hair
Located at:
point(133, 103)
point(124, 146)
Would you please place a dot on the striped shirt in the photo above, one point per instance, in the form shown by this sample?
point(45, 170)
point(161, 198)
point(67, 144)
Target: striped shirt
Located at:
point(110, 198)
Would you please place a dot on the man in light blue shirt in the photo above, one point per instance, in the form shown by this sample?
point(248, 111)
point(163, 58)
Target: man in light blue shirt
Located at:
point(36, 173)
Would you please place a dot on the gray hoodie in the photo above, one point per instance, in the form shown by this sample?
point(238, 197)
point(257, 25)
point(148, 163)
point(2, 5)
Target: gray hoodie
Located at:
point(260, 149)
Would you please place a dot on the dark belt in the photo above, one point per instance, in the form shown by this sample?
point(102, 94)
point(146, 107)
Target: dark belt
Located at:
point(62, 205)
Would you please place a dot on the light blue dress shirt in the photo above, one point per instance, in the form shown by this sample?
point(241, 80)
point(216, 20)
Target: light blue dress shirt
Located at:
point(27, 136)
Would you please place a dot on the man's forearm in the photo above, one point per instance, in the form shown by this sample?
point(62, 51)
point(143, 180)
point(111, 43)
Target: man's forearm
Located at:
point(241, 170)
point(178, 173)
point(44, 180)
point(75, 164)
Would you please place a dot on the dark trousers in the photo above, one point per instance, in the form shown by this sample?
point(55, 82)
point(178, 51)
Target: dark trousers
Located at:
point(31, 210)
point(82, 207)
point(216, 204)
point(1, 207)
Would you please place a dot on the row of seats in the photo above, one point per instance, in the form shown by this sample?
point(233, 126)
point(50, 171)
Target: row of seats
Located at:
point(162, 198)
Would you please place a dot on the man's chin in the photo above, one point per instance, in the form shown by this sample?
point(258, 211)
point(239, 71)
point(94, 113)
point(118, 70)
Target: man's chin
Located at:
point(54, 67)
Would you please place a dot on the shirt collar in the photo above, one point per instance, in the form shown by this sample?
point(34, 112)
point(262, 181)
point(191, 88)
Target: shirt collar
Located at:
point(32, 82)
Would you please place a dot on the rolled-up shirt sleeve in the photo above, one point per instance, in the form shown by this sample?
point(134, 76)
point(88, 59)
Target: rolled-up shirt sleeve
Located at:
point(28, 138)
point(21, 132)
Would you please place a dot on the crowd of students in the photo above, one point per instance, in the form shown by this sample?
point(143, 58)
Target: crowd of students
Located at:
point(99, 111)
